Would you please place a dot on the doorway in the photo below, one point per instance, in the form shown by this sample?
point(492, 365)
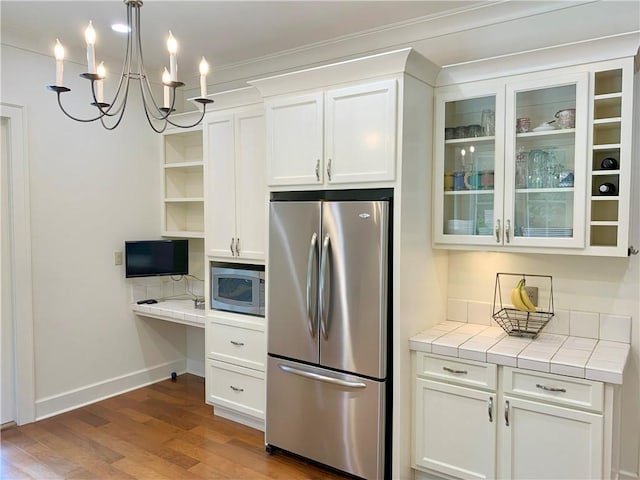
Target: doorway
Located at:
point(18, 387)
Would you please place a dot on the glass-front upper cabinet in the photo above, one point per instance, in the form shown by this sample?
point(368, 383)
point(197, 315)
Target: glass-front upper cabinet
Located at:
point(546, 162)
point(468, 165)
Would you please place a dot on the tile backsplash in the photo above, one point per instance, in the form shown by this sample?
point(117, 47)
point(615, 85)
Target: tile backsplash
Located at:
point(161, 288)
point(595, 325)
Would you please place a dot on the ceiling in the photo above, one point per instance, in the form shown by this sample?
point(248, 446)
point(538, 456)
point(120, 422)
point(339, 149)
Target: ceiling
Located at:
point(238, 35)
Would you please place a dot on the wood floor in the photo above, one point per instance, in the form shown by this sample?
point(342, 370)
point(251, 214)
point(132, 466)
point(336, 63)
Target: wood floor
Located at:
point(163, 431)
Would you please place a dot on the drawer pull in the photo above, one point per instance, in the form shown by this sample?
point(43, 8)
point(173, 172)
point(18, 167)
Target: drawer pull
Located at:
point(236, 389)
point(237, 344)
point(451, 370)
point(551, 389)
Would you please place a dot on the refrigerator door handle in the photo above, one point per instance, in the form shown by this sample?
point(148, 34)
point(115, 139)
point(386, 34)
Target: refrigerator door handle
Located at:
point(322, 378)
point(324, 288)
point(312, 259)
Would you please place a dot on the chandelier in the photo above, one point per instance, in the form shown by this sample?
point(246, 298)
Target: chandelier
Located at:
point(110, 114)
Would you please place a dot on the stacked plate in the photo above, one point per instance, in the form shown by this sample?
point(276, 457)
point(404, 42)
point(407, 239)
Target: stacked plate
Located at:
point(460, 227)
point(547, 232)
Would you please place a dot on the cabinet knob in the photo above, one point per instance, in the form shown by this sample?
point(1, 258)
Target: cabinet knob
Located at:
point(507, 231)
point(236, 389)
point(318, 169)
point(236, 343)
point(237, 247)
point(329, 169)
point(497, 231)
point(231, 246)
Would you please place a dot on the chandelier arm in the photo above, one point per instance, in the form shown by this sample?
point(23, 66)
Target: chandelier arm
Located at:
point(84, 120)
point(204, 110)
point(106, 109)
point(150, 121)
point(148, 99)
point(126, 67)
point(120, 111)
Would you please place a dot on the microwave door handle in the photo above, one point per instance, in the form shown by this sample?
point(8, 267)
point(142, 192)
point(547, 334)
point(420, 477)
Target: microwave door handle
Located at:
point(312, 259)
point(324, 285)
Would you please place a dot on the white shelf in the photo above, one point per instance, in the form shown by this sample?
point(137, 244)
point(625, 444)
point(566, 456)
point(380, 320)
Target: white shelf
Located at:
point(468, 192)
point(599, 223)
point(184, 200)
point(545, 190)
point(183, 164)
point(605, 172)
point(607, 121)
point(183, 234)
point(607, 146)
point(470, 140)
point(564, 131)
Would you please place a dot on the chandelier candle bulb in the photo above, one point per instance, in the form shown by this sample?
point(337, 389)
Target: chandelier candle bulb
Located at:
point(102, 73)
point(172, 46)
point(59, 53)
point(204, 69)
point(166, 78)
point(90, 37)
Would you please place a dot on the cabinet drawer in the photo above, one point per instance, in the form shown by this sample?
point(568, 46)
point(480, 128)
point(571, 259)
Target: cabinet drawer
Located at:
point(573, 392)
point(242, 346)
point(236, 388)
point(455, 370)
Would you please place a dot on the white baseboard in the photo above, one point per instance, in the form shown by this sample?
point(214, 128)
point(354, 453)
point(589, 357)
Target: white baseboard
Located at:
point(238, 417)
point(56, 404)
point(624, 475)
point(195, 367)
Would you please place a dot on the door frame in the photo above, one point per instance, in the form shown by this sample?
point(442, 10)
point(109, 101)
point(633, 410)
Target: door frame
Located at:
point(20, 232)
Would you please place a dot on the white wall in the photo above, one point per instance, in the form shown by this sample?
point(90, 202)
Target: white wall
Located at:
point(90, 189)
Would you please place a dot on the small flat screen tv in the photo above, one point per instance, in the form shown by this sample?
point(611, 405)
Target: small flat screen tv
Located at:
point(150, 258)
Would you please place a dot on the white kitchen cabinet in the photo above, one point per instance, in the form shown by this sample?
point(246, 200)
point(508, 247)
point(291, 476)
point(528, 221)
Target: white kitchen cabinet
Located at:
point(545, 441)
point(235, 367)
point(499, 185)
point(295, 140)
point(183, 185)
point(533, 425)
point(336, 136)
point(455, 417)
point(236, 201)
point(551, 426)
point(531, 183)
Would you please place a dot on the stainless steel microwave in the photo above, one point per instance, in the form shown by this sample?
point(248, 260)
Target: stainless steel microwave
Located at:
point(237, 288)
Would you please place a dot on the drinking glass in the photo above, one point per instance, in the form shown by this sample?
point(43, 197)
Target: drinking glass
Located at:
point(488, 122)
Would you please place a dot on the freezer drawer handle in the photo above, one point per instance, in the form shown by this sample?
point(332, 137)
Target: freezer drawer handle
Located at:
point(237, 344)
point(551, 389)
point(322, 378)
point(451, 370)
point(236, 389)
point(312, 258)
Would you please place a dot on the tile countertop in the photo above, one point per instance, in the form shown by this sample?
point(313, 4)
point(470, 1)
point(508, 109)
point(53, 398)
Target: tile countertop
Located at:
point(177, 311)
point(565, 355)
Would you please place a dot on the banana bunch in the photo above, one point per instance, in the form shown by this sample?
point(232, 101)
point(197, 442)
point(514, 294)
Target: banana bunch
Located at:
point(520, 299)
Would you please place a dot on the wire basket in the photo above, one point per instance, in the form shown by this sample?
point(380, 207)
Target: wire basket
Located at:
point(516, 322)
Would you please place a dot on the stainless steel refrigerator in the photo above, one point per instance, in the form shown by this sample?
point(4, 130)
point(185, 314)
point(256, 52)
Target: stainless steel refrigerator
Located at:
point(327, 374)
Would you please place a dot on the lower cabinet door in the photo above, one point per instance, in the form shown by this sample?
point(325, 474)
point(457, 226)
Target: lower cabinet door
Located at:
point(455, 430)
point(544, 441)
